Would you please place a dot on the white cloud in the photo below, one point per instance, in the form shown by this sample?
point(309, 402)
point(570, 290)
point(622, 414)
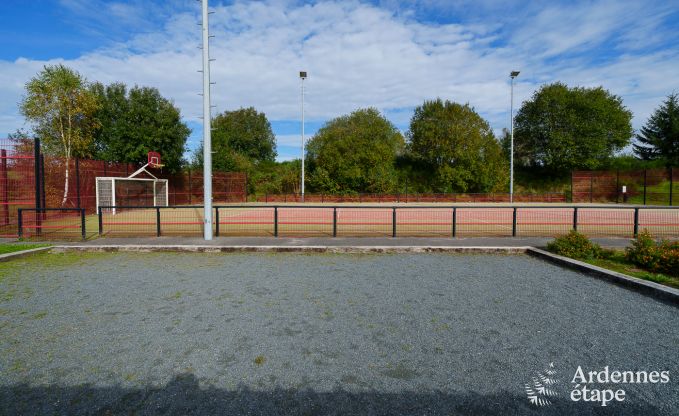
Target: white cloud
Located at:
point(360, 55)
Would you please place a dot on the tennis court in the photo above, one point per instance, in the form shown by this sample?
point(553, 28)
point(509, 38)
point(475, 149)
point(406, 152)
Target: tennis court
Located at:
point(358, 220)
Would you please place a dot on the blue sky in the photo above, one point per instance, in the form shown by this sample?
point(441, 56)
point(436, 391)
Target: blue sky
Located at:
point(390, 55)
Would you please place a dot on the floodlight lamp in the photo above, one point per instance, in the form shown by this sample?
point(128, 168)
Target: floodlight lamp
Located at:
point(514, 74)
point(302, 74)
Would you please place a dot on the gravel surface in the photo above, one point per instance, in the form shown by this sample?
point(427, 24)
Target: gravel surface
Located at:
point(168, 333)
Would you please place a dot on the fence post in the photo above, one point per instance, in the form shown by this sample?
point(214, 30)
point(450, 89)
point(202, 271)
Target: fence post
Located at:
point(575, 218)
point(617, 186)
point(82, 223)
point(216, 221)
point(157, 221)
point(454, 222)
point(20, 222)
point(393, 221)
point(101, 222)
point(636, 222)
point(644, 187)
point(4, 182)
point(591, 187)
point(514, 223)
point(334, 221)
point(671, 184)
point(77, 181)
point(275, 221)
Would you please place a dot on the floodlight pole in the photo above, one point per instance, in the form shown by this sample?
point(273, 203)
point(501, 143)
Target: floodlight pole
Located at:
point(207, 139)
point(302, 76)
point(512, 75)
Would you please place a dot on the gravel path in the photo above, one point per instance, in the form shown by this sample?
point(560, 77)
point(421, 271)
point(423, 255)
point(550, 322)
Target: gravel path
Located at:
point(167, 333)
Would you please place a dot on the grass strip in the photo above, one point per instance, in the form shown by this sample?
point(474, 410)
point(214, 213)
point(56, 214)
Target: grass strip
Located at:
point(616, 262)
point(14, 247)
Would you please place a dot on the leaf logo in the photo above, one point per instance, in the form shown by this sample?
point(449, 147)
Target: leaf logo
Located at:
point(540, 391)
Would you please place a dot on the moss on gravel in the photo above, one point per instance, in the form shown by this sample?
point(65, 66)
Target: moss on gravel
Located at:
point(49, 260)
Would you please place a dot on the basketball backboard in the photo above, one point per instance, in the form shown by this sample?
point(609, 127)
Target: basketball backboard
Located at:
point(154, 160)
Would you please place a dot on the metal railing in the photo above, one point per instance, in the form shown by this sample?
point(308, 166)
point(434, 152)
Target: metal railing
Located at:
point(394, 221)
point(52, 223)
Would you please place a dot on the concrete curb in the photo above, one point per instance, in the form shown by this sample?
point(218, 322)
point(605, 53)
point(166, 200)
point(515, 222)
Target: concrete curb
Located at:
point(292, 249)
point(656, 290)
point(24, 253)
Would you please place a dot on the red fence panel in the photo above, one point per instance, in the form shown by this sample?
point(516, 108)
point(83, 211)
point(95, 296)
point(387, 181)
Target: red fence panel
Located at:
point(17, 182)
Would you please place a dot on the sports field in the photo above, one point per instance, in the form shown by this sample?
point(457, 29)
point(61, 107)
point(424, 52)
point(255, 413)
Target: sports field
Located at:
point(368, 220)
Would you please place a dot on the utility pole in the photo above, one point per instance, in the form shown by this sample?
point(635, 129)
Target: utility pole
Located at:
point(512, 75)
point(207, 137)
point(302, 76)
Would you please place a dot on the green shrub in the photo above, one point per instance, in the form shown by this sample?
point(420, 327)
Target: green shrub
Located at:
point(575, 245)
point(660, 257)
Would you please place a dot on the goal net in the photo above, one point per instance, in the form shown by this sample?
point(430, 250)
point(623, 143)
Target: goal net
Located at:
point(130, 192)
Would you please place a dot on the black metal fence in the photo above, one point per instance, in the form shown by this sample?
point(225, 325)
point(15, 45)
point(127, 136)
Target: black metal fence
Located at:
point(52, 223)
point(640, 187)
point(393, 221)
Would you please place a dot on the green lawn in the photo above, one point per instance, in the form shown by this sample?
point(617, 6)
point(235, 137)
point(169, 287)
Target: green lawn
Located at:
point(656, 194)
point(617, 263)
point(13, 247)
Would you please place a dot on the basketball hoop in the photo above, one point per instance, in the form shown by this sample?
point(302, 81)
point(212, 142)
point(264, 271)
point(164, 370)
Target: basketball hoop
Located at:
point(154, 160)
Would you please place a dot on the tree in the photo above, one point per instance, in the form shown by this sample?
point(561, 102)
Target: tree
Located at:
point(562, 128)
point(457, 148)
point(21, 141)
point(240, 140)
point(61, 109)
point(136, 122)
point(354, 153)
point(275, 178)
point(659, 138)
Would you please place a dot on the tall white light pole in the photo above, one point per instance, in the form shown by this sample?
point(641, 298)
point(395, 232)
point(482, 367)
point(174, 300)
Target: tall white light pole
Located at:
point(512, 75)
point(207, 139)
point(302, 76)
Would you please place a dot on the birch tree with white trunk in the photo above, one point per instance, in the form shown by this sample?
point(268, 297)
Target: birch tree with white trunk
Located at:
point(61, 109)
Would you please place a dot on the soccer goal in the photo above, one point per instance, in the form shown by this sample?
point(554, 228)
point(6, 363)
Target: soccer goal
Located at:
point(133, 191)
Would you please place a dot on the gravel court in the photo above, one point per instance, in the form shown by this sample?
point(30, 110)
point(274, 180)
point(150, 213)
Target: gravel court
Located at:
point(159, 333)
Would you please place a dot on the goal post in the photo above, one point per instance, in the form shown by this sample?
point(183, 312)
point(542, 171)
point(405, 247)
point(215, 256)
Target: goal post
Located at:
point(160, 196)
point(116, 191)
point(133, 191)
